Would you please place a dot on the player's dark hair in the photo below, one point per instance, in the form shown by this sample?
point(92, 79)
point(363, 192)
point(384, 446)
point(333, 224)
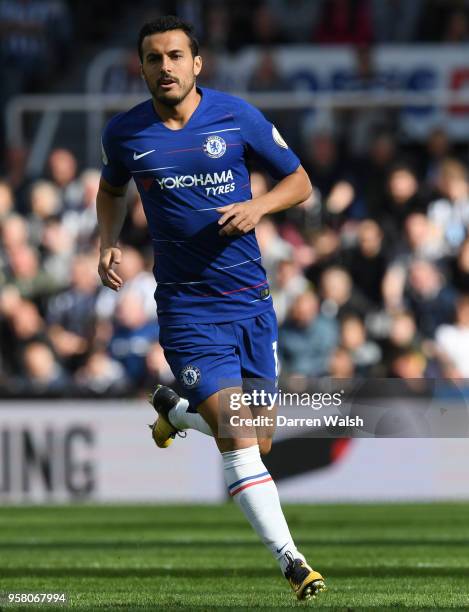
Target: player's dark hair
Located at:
point(165, 24)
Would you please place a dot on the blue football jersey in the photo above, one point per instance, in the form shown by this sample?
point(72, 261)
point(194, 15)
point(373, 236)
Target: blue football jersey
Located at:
point(183, 176)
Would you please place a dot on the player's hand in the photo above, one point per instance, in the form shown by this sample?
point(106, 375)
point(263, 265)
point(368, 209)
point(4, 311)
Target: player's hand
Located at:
point(109, 258)
point(239, 218)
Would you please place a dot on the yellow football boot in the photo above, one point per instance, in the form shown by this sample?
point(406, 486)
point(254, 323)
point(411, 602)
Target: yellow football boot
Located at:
point(305, 582)
point(162, 431)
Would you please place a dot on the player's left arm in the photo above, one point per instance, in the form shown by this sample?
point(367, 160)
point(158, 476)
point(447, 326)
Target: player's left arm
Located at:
point(262, 139)
point(243, 217)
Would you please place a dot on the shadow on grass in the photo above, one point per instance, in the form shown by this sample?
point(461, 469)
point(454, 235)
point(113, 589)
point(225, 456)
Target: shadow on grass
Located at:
point(157, 524)
point(228, 523)
point(217, 572)
point(192, 542)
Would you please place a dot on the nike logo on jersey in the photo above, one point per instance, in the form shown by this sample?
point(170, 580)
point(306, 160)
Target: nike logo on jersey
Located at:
point(143, 154)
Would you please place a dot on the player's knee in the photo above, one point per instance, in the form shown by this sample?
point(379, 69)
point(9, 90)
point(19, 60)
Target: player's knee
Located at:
point(265, 444)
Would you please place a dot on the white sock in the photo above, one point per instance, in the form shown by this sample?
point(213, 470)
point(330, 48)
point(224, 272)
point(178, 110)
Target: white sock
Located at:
point(182, 419)
point(252, 488)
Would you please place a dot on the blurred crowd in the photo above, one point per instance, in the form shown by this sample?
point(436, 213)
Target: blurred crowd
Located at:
point(226, 28)
point(40, 38)
point(60, 331)
point(369, 277)
point(229, 25)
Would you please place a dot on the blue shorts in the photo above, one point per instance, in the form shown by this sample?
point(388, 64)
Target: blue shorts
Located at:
point(208, 357)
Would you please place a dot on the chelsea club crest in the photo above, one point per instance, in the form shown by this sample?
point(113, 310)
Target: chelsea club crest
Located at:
point(214, 146)
point(189, 375)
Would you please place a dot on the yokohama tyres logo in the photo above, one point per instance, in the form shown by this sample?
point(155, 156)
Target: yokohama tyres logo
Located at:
point(195, 180)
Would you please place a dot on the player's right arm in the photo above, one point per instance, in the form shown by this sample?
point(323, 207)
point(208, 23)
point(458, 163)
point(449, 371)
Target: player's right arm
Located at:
point(111, 210)
point(111, 206)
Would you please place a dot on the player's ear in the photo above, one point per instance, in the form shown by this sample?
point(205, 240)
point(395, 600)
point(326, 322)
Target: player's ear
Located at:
point(197, 65)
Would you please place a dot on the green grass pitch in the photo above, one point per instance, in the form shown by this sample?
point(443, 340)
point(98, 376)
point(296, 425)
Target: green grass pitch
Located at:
point(207, 557)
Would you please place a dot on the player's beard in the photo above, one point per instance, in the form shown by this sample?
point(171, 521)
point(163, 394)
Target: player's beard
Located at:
point(172, 99)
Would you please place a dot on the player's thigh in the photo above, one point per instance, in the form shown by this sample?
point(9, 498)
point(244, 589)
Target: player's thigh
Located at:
point(258, 340)
point(229, 419)
point(260, 369)
point(202, 358)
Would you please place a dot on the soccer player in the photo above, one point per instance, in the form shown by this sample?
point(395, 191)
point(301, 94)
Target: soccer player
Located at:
point(186, 149)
